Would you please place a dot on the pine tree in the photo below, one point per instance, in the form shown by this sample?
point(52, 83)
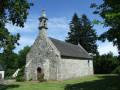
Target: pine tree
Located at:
point(82, 32)
point(75, 27)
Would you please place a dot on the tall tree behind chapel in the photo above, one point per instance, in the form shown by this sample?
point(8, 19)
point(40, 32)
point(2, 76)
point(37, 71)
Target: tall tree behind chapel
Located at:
point(82, 32)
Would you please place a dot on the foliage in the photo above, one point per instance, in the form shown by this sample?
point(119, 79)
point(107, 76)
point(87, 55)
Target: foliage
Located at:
point(117, 70)
point(31, 78)
point(22, 56)
point(20, 76)
point(15, 12)
point(9, 62)
point(40, 77)
point(95, 82)
point(12, 61)
point(81, 31)
point(110, 12)
point(7, 41)
point(105, 63)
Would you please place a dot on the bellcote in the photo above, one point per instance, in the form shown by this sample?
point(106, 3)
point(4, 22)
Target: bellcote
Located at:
point(43, 21)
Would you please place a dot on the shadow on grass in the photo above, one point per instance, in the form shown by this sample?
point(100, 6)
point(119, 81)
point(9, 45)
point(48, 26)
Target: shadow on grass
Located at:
point(104, 83)
point(5, 87)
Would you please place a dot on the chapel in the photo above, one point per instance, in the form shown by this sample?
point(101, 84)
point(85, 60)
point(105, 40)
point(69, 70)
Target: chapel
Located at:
point(58, 60)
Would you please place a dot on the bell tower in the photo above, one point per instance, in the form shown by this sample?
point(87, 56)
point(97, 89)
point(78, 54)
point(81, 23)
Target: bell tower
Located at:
point(43, 22)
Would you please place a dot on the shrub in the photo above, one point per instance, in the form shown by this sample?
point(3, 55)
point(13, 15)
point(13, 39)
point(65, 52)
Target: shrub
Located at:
point(40, 77)
point(31, 78)
point(117, 70)
point(19, 79)
point(20, 76)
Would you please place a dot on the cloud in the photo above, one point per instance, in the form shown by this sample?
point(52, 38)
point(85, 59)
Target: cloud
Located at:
point(29, 26)
point(58, 28)
point(58, 23)
point(24, 41)
point(106, 47)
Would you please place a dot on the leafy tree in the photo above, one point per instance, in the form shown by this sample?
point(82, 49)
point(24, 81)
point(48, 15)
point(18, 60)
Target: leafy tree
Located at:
point(105, 63)
point(9, 62)
point(22, 56)
point(81, 31)
point(110, 12)
point(15, 12)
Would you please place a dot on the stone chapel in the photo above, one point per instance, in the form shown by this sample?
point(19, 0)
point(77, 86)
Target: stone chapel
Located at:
point(58, 60)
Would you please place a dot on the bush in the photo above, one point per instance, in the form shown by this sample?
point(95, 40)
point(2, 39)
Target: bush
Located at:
point(20, 76)
point(117, 70)
point(19, 79)
point(40, 77)
point(105, 64)
point(31, 78)
point(9, 77)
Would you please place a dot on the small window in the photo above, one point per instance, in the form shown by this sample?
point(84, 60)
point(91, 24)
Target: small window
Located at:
point(0, 76)
point(88, 63)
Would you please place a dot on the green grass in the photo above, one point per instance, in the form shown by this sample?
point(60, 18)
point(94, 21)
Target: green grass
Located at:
point(96, 82)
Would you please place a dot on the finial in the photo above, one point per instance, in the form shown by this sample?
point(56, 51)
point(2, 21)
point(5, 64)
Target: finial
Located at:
point(43, 14)
point(78, 44)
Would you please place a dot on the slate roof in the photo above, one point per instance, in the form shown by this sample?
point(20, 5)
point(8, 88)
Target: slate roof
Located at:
point(1, 68)
point(70, 50)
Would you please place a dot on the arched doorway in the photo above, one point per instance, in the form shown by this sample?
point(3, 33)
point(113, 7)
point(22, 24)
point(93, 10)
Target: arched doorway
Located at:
point(39, 70)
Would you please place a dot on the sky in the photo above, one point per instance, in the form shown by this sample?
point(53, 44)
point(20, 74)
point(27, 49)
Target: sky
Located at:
point(59, 14)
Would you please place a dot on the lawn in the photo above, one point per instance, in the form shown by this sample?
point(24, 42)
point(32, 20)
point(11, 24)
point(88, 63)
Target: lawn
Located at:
point(96, 82)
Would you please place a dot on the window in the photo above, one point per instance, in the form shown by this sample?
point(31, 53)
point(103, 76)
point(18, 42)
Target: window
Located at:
point(88, 63)
point(0, 76)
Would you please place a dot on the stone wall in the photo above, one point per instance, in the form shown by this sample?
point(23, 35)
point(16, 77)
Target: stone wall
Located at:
point(43, 54)
point(2, 72)
point(74, 68)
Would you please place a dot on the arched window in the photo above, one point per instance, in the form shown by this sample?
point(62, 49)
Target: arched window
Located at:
point(39, 70)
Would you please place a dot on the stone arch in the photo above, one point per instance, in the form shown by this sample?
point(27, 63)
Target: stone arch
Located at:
point(39, 70)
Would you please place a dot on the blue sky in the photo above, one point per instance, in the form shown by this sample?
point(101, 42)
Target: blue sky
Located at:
point(59, 14)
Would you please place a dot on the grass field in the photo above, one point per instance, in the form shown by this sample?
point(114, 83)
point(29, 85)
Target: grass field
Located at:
point(96, 82)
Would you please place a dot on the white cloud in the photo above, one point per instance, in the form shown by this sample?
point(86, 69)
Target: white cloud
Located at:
point(24, 41)
point(58, 23)
point(58, 28)
point(30, 26)
point(106, 47)
point(27, 41)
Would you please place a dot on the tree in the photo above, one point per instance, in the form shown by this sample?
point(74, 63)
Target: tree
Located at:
point(8, 61)
point(15, 12)
point(22, 56)
point(81, 31)
point(105, 63)
point(110, 12)
point(75, 27)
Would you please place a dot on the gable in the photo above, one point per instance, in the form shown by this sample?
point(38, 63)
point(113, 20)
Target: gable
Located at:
point(70, 50)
